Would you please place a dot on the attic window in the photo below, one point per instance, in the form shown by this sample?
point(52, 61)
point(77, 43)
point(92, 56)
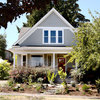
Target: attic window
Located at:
point(53, 36)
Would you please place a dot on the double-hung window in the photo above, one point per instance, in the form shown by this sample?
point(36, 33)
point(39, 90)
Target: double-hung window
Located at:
point(59, 36)
point(53, 36)
point(46, 36)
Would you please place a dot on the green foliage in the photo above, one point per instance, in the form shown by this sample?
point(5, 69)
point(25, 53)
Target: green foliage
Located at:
point(77, 89)
point(87, 49)
point(40, 79)
point(29, 75)
point(30, 79)
point(85, 88)
point(21, 89)
point(51, 77)
point(4, 69)
point(62, 75)
point(69, 9)
point(39, 87)
point(77, 74)
point(15, 89)
point(73, 84)
point(2, 45)
point(11, 83)
point(98, 85)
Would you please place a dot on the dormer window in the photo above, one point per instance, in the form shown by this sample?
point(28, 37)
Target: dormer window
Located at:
point(53, 36)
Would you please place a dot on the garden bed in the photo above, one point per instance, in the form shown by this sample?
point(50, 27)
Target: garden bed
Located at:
point(48, 89)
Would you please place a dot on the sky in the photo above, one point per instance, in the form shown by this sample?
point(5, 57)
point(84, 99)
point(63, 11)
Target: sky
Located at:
point(12, 33)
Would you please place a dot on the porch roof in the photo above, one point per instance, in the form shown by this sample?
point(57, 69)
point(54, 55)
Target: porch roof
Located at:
point(17, 49)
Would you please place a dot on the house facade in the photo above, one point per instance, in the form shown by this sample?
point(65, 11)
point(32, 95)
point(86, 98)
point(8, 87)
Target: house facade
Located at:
point(46, 43)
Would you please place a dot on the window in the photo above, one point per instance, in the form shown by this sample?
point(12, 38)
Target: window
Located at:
point(46, 36)
point(59, 36)
point(53, 36)
point(36, 61)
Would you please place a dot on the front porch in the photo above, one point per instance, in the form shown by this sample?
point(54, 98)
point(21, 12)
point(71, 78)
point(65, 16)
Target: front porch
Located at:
point(38, 60)
point(40, 56)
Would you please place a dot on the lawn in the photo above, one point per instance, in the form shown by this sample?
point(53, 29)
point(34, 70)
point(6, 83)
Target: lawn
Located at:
point(42, 98)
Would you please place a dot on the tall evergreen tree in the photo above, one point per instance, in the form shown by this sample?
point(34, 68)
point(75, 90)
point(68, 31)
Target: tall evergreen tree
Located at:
point(69, 9)
point(2, 46)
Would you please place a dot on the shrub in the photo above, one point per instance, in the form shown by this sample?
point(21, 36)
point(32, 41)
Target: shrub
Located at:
point(77, 74)
point(51, 77)
point(77, 89)
point(40, 80)
point(63, 76)
point(11, 82)
point(24, 75)
point(21, 89)
point(15, 89)
point(39, 87)
point(98, 85)
point(73, 84)
point(4, 69)
point(85, 88)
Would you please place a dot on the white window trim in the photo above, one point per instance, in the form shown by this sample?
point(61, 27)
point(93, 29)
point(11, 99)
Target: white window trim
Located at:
point(49, 37)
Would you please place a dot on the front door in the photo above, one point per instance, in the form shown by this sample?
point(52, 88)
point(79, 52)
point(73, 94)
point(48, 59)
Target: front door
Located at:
point(61, 63)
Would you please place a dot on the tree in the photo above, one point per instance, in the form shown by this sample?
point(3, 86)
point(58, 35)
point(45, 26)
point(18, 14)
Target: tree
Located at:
point(12, 9)
point(87, 49)
point(69, 9)
point(2, 46)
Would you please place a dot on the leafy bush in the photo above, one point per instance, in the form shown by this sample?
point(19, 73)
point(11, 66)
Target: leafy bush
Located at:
point(39, 87)
point(21, 89)
point(73, 84)
point(77, 89)
point(85, 88)
point(63, 76)
point(51, 77)
point(4, 69)
point(77, 74)
point(11, 83)
point(25, 75)
point(98, 85)
point(40, 80)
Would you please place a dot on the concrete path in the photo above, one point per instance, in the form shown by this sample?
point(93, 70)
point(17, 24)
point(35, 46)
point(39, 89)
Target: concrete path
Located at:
point(42, 95)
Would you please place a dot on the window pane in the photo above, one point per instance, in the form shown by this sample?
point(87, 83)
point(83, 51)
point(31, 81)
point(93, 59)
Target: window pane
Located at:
point(59, 39)
point(59, 33)
point(53, 39)
point(53, 33)
point(45, 39)
point(45, 33)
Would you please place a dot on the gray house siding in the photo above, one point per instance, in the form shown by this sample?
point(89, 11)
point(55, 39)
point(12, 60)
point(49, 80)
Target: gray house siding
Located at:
point(36, 39)
point(68, 37)
point(53, 21)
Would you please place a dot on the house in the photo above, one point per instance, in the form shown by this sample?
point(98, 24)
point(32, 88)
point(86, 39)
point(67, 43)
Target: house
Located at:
point(46, 43)
point(8, 56)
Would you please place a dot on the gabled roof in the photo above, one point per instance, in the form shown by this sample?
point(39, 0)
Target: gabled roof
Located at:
point(23, 31)
point(29, 32)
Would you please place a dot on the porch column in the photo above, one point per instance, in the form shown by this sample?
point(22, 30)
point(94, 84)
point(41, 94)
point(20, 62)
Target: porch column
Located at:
point(14, 61)
point(26, 60)
point(21, 60)
point(18, 60)
point(53, 60)
point(43, 60)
